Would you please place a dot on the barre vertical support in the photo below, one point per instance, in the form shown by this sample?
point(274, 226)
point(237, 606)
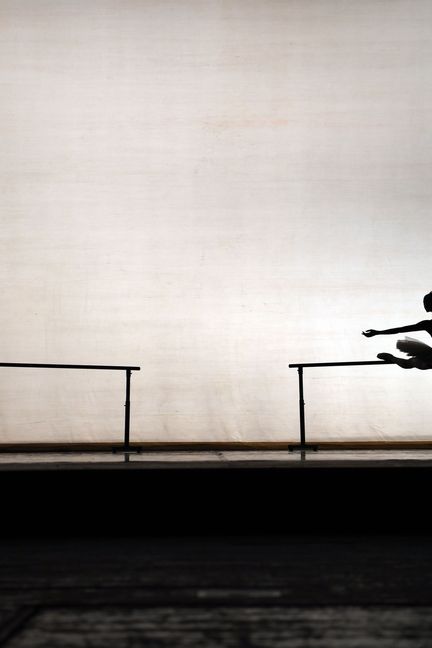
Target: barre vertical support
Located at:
point(301, 408)
point(302, 445)
point(126, 447)
point(127, 408)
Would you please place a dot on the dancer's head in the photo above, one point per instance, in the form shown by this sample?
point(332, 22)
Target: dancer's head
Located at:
point(427, 302)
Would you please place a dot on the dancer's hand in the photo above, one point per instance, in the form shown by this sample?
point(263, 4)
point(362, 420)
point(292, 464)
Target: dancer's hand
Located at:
point(370, 333)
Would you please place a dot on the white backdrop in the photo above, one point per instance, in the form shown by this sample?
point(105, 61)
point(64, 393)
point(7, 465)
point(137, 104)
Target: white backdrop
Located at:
point(212, 190)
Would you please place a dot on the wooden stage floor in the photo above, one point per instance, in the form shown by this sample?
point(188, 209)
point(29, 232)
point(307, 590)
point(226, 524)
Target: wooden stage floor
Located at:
point(215, 459)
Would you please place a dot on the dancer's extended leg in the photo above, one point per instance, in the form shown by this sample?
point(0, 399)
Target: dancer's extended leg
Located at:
point(405, 363)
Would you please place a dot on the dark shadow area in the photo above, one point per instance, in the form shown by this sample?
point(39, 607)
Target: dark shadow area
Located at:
point(304, 498)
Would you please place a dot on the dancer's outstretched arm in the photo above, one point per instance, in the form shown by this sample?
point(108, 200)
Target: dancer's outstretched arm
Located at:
point(420, 326)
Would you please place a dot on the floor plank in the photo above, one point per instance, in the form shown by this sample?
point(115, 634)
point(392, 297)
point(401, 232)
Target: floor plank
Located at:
point(225, 627)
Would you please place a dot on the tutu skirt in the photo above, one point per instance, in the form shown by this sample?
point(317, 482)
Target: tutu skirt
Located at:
point(420, 352)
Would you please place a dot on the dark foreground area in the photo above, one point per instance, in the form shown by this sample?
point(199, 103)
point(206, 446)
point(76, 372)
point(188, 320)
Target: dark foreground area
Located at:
point(312, 590)
point(326, 555)
point(228, 500)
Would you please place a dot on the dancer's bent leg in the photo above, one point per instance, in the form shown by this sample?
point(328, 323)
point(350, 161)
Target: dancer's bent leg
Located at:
point(405, 363)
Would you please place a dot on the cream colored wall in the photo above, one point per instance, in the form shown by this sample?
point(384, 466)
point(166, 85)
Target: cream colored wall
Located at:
point(212, 190)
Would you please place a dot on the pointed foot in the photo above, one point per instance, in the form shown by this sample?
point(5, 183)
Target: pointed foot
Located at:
point(388, 357)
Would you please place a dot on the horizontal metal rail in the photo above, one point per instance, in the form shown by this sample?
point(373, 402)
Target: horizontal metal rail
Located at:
point(300, 366)
point(68, 366)
point(126, 447)
point(339, 364)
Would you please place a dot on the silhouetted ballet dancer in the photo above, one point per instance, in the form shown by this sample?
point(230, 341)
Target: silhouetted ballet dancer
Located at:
point(421, 354)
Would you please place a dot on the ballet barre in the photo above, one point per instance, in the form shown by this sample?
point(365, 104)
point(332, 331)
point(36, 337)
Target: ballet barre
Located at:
point(126, 447)
point(300, 366)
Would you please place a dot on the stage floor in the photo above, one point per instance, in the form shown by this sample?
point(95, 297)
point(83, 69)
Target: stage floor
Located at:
point(215, 459)
point(225, 592)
